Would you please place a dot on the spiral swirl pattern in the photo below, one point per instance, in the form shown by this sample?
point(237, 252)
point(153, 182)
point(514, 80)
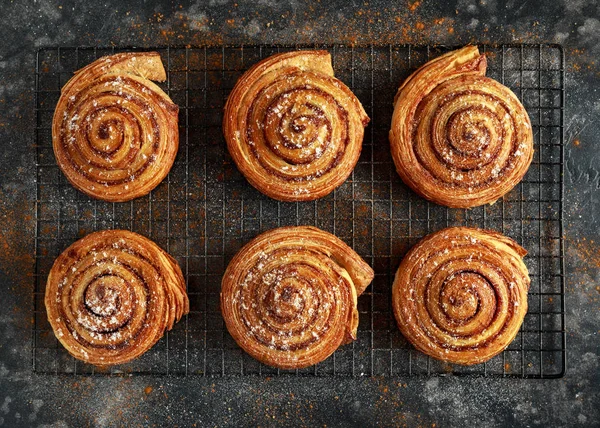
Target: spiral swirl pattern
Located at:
point(293, 129)
point(115, 133)
point(460, 295)
point(111, 296)
point(459, 138)
point(289, 296)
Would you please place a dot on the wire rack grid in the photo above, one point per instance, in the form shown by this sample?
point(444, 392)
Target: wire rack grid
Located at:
point(205, 211)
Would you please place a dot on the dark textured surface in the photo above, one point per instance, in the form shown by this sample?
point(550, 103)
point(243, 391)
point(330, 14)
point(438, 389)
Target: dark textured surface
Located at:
point(27, 399)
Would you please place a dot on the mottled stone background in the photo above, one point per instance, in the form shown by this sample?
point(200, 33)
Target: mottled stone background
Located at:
point(30, 400)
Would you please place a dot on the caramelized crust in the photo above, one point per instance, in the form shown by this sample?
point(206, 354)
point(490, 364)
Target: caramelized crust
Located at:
point(114, 132)
point(460, 295)
point(459, 138)
point(289, 297)
point(293, 129)
point(111, 296)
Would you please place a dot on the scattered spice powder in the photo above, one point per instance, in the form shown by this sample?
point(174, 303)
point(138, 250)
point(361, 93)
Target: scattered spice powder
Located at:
point(589, 251)
point(413, 6)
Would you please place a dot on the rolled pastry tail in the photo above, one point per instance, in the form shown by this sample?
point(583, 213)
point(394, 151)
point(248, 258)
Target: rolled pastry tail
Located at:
point(294, 131)
point(460, 295)
point(111, 296)
point(458, 138)
point(115, 133)
point(289, 297)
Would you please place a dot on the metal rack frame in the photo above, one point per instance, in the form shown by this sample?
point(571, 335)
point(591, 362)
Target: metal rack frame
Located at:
point(204, 211)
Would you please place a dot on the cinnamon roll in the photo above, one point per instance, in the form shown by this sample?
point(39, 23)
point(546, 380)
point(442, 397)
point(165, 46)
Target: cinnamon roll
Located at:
point(459, 138)
point(460, 295)
point(111, 296)
point(293, 129)
point(289, 297)
point(114, 131)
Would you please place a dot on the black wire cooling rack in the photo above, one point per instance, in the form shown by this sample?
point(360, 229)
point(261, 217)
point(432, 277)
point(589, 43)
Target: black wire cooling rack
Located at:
point(205, 211)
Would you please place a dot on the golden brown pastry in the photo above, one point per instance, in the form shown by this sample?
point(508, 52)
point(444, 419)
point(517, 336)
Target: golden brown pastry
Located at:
point(289, 296)
point(460, 295)
point(459, 138)
point(111, 296)
point(114, 132)
point(292, 128)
